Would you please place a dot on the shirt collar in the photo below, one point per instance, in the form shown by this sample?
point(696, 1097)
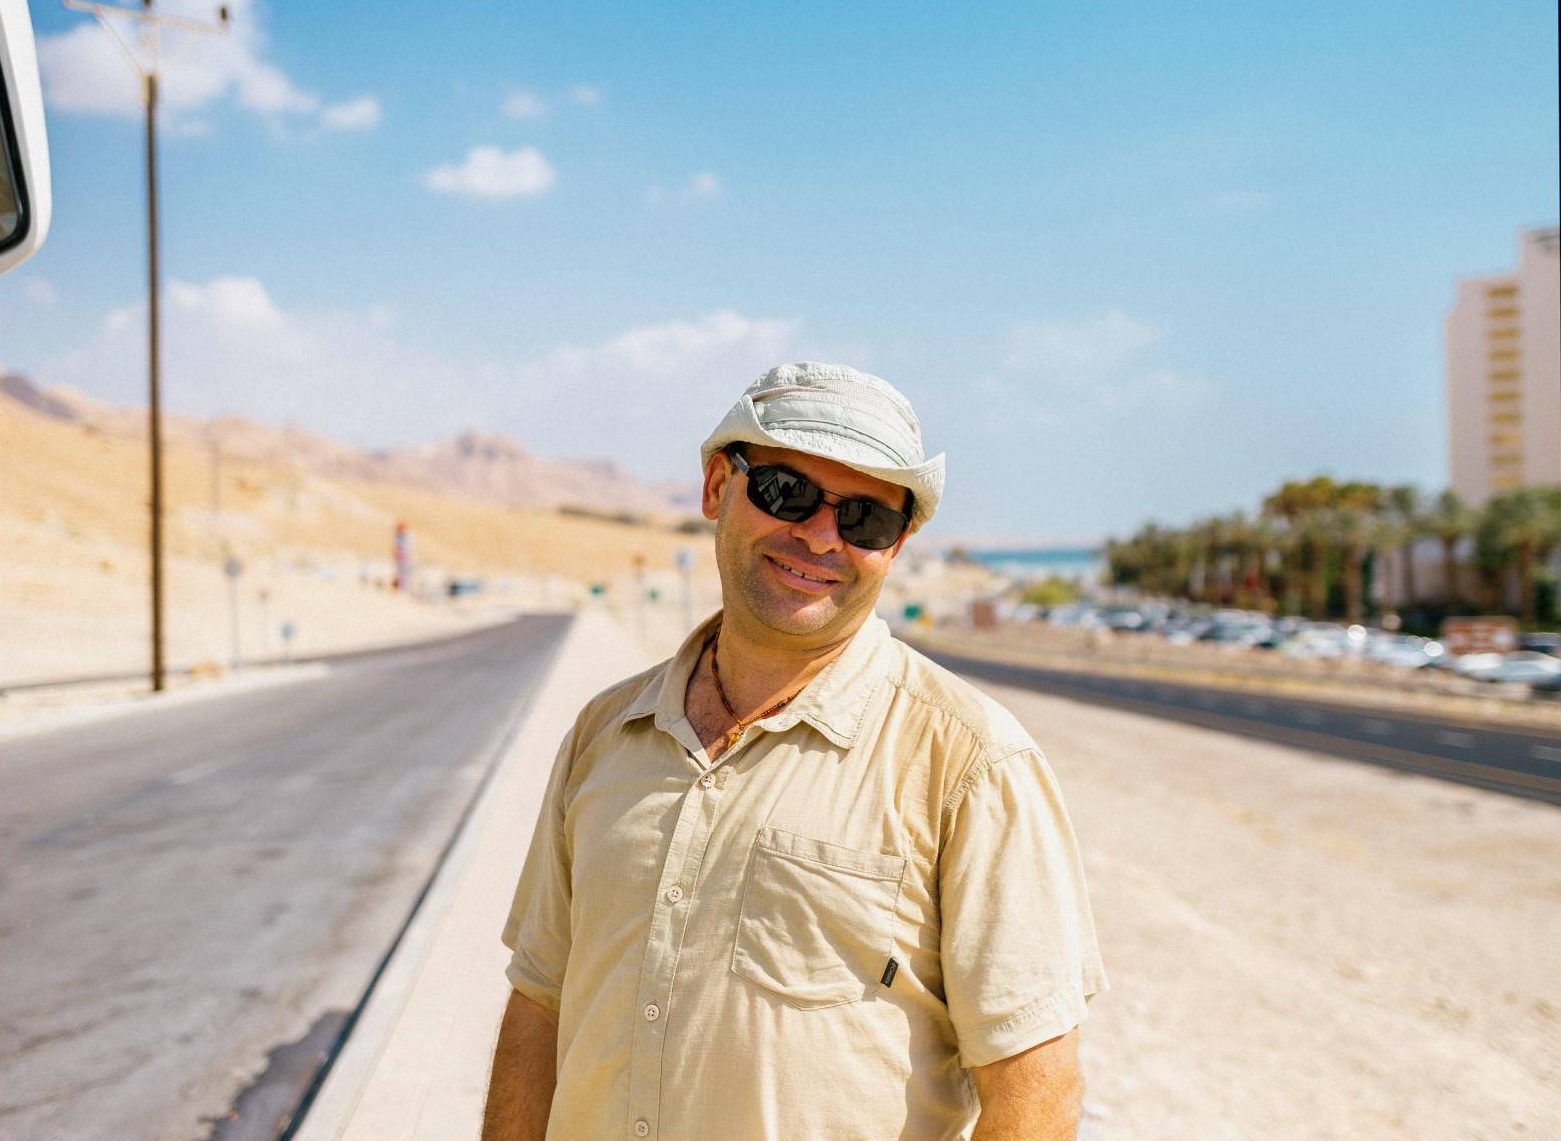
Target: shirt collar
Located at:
point(835, 702)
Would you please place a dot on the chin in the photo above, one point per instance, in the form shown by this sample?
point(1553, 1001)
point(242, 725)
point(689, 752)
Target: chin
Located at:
point(788, 617)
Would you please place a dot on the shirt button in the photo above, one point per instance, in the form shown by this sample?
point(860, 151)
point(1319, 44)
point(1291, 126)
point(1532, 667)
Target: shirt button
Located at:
point(707, 781)
point(674, 894)
point(642, 1128)
point(652, 1012)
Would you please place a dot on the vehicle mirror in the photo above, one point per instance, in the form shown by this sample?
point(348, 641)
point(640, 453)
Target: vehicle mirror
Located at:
point(24, 149)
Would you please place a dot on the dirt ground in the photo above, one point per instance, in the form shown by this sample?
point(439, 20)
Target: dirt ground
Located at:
point(1303, 948)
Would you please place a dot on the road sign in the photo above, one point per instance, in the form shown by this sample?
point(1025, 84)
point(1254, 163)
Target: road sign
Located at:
point(1479, 635)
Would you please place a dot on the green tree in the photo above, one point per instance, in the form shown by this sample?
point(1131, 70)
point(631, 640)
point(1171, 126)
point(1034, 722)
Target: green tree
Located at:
point(1520, 530)
point(1301, 507)
point(1451, 520)
point(1406, 524)
point(1354, 528)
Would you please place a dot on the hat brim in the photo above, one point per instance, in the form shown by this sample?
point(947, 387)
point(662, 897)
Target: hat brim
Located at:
point(741, 426)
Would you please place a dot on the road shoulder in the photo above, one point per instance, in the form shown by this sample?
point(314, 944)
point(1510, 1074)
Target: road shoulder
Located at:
point(416, 1064)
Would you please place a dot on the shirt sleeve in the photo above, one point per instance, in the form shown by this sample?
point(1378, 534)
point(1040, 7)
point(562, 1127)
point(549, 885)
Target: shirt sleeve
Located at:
point(1020, 958)
point(537, 931)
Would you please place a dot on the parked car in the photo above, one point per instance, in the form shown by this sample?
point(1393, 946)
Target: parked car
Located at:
point(1321, 640)
point(1477, 666)
point(1404, 650)
point(1526, 667)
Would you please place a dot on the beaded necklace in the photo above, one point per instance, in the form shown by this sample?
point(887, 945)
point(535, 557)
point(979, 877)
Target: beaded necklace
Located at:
point(737, 730)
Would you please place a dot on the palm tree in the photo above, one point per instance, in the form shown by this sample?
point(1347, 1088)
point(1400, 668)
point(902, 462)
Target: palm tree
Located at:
point(1450, 520)
point(1525, 525)
point(1408, 524)
point(1301, 505)
point(1250, 541)
point(1352, 524)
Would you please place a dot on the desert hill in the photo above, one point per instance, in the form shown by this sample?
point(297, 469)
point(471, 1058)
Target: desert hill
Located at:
point(473, 465)
point(310, 522)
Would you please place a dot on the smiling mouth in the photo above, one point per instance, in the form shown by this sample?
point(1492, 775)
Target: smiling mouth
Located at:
point(789, 569)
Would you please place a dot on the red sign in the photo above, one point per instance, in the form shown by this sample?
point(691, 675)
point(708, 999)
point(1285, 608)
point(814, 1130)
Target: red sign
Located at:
point(1479, 635)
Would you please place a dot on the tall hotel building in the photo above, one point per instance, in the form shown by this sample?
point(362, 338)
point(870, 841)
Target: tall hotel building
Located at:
point(1504, 375)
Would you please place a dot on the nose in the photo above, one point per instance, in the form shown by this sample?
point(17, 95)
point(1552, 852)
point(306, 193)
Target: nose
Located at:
point(820, 531)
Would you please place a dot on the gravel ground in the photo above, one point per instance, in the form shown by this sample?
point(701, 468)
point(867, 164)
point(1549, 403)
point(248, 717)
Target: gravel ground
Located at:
point(1307, 948)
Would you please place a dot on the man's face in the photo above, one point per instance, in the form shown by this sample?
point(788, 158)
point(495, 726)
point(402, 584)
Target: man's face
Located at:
point(798, 579)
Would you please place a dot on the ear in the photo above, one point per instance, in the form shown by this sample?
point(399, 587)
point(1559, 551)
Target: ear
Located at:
point(717, 474)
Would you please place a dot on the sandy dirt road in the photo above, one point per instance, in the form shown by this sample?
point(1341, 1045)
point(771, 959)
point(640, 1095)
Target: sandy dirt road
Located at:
point(1307, 948)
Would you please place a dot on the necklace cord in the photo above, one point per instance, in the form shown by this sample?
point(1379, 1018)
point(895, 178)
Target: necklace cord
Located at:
point(720, 690)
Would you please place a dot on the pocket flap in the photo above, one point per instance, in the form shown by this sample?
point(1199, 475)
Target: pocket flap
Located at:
point(874, 865)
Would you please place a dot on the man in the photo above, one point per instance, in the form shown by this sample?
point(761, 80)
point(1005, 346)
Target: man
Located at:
point(798, 883)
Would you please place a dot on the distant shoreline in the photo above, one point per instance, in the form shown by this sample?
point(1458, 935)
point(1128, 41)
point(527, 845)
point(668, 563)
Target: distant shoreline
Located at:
point(1043, 562)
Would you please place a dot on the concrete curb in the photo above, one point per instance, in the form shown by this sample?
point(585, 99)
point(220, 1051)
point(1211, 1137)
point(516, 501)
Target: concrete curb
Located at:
point(416, 1065)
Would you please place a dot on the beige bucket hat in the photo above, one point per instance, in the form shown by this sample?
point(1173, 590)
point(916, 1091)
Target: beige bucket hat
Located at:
point(840, 414)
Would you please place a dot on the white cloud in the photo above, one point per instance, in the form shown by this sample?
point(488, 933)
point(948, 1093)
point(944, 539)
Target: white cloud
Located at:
point(524, 105)
point(646, 395)
point(585, 95)
point(491, 173)
point(84, 71)
point(1094, 364)
point(1085, 349)
point(41, 291)
point(361, 114)
point(704, 186)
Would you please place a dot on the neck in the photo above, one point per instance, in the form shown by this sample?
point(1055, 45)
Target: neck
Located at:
point(758, 667)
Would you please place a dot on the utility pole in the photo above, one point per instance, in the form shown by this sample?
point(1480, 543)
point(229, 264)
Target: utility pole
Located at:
point(146, 66)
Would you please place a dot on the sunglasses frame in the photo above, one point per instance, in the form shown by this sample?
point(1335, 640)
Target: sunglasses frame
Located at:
point(740, 462)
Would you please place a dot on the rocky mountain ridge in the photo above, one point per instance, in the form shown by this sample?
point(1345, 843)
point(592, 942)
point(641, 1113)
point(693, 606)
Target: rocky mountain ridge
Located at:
point(474, 465)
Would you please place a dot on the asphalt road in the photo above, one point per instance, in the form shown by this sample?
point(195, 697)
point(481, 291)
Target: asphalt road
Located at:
point(194, 894)
point(1520, 762)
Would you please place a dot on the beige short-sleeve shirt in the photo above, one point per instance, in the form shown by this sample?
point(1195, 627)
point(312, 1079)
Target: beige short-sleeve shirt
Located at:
point(812, 937)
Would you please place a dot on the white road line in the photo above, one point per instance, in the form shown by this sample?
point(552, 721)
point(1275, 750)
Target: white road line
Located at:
point(1546, 752)
point(1377, 728)
point(1456, 740)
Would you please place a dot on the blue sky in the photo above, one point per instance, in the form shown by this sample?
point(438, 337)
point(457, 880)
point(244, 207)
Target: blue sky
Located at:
point(1130, 261)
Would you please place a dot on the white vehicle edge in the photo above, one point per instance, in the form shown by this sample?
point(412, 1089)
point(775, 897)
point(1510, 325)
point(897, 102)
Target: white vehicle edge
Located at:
point(25, 201)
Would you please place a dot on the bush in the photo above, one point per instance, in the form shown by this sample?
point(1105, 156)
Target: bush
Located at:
point(1051, 591)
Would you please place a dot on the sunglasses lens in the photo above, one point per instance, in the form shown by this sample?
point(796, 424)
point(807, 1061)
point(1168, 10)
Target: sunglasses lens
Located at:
point(784, 494)
point(864, 524)
point(791, 498)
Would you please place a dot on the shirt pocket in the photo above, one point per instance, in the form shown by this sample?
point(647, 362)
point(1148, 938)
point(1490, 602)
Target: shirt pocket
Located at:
point(817, 919)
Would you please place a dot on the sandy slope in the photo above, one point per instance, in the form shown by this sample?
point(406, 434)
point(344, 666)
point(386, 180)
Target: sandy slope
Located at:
point(315, 552)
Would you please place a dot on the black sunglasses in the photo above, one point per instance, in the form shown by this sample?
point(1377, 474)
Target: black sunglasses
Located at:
point(783, 494)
